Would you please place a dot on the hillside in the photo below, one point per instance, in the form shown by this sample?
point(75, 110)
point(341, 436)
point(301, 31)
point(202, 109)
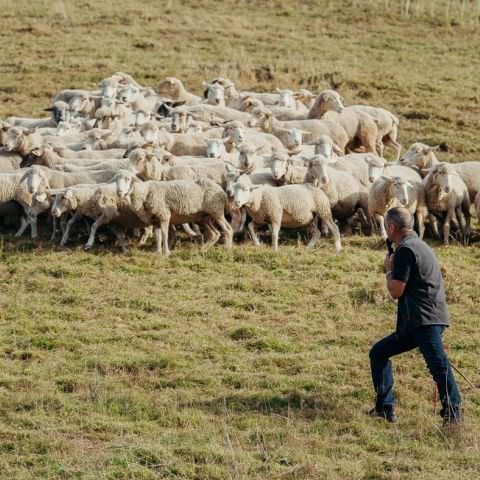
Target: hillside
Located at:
point(246, 364)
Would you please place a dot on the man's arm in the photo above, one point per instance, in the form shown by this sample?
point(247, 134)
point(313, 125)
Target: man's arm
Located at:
point(395, 287)
point(398, 268)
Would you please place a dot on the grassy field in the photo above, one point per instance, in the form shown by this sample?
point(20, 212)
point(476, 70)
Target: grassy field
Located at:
point(244, 364)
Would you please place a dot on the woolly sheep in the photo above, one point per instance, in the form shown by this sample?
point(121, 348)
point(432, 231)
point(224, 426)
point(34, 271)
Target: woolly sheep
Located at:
point(388, 192)
point(360, 127)
point(176, 202)
point(174, 89)
point(447, 196)
point(290, 206)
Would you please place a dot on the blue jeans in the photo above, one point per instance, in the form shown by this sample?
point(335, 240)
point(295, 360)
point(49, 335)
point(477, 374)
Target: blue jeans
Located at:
point(429, 341)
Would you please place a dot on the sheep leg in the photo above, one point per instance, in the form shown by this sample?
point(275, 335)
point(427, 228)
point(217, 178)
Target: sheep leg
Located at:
point(275, 234)
point(67, 229)
point(335, 232)
point(120, 234)
point(24, 223)
point(434, 225)
point(33, 225)
point(212, 234)
point(446, 226)
point(251, 229)
point(466, 212)
point(158, 239)
point(420, 222)
point(315, 233)
point(54, 229)
point(164, 226)
point(381, 223)
point(102, 220)
point(226, 229)
point(188, 230)
point(147, 233)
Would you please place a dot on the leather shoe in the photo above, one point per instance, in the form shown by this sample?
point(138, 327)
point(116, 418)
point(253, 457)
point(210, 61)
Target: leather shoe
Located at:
point(387, 412)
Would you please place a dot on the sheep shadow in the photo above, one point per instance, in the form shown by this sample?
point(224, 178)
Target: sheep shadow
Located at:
point(311, 405)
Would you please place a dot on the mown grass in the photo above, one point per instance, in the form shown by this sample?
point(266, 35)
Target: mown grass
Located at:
point(241, 364)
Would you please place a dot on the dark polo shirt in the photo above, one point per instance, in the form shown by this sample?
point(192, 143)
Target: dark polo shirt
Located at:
point(423, 301)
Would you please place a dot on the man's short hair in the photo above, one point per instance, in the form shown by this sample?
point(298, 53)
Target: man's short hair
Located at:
point(400, 217)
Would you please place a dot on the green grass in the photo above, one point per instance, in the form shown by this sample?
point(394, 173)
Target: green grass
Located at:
point(246, 364)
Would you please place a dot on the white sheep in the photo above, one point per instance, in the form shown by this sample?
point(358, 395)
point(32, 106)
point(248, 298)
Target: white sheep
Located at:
point(174, 89)
point(388, 192)
point(176, 202)
point(290, 206)
point(447, 196)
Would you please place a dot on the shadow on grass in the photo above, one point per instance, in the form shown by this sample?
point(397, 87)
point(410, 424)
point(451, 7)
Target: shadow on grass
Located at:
point(307, 405)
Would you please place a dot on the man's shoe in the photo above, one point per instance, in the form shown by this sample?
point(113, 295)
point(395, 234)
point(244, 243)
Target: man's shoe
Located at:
point(387, 413)
point(451, 416)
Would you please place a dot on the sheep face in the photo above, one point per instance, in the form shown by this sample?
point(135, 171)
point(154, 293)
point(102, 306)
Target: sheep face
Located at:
point(80, 104)
point(180, 121)
point(279, 168)
point(418, 155)
point(215, 148)
point(13, 138)
point(109, 88)
point(61, 204)
point(241, 195)
point(215, 94)
point(128, 94)
point(124, 181)
point(317, 172)
point(375, 170)
point(235, 133)
point(330, 100)
point(294, 138)
point(442, 177)
point(36, 182)
point(149, 131)
point(400, 190)
point(286, 99)
point(324, 146)
point(246, 157)
point(141, 117)
point(171, 87)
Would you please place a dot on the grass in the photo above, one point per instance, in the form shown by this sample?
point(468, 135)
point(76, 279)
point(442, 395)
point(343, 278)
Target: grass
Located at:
point(241, 364)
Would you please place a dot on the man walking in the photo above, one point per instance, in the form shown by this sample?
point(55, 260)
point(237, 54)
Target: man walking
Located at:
point(414, 278)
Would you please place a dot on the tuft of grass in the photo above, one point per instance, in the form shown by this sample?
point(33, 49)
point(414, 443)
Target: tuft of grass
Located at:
point(246, 364)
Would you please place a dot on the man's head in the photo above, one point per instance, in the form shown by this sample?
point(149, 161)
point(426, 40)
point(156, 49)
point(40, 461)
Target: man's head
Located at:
point(399, 223)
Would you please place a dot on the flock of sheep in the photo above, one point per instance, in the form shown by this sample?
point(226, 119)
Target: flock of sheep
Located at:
point(144, 161)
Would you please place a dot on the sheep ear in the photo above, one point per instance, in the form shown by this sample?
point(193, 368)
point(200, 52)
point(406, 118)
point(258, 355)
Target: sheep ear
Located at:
point(69, 194)
point(386, 178)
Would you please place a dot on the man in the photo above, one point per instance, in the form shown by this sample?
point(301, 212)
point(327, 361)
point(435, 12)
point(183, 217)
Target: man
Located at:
point(414, 278)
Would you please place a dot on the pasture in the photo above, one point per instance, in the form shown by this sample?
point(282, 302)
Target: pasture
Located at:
point(249, 363)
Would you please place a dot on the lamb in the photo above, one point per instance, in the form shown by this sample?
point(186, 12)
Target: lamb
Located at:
point(176, 202)
point(388, 192)
point(360, 127)
point(174, 89)
point(447, 196)
point(345, 193)
point(315, 128)
point(290, 206)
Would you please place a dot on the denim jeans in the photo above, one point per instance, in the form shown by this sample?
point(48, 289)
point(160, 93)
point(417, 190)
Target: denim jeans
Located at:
point(429, 341)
